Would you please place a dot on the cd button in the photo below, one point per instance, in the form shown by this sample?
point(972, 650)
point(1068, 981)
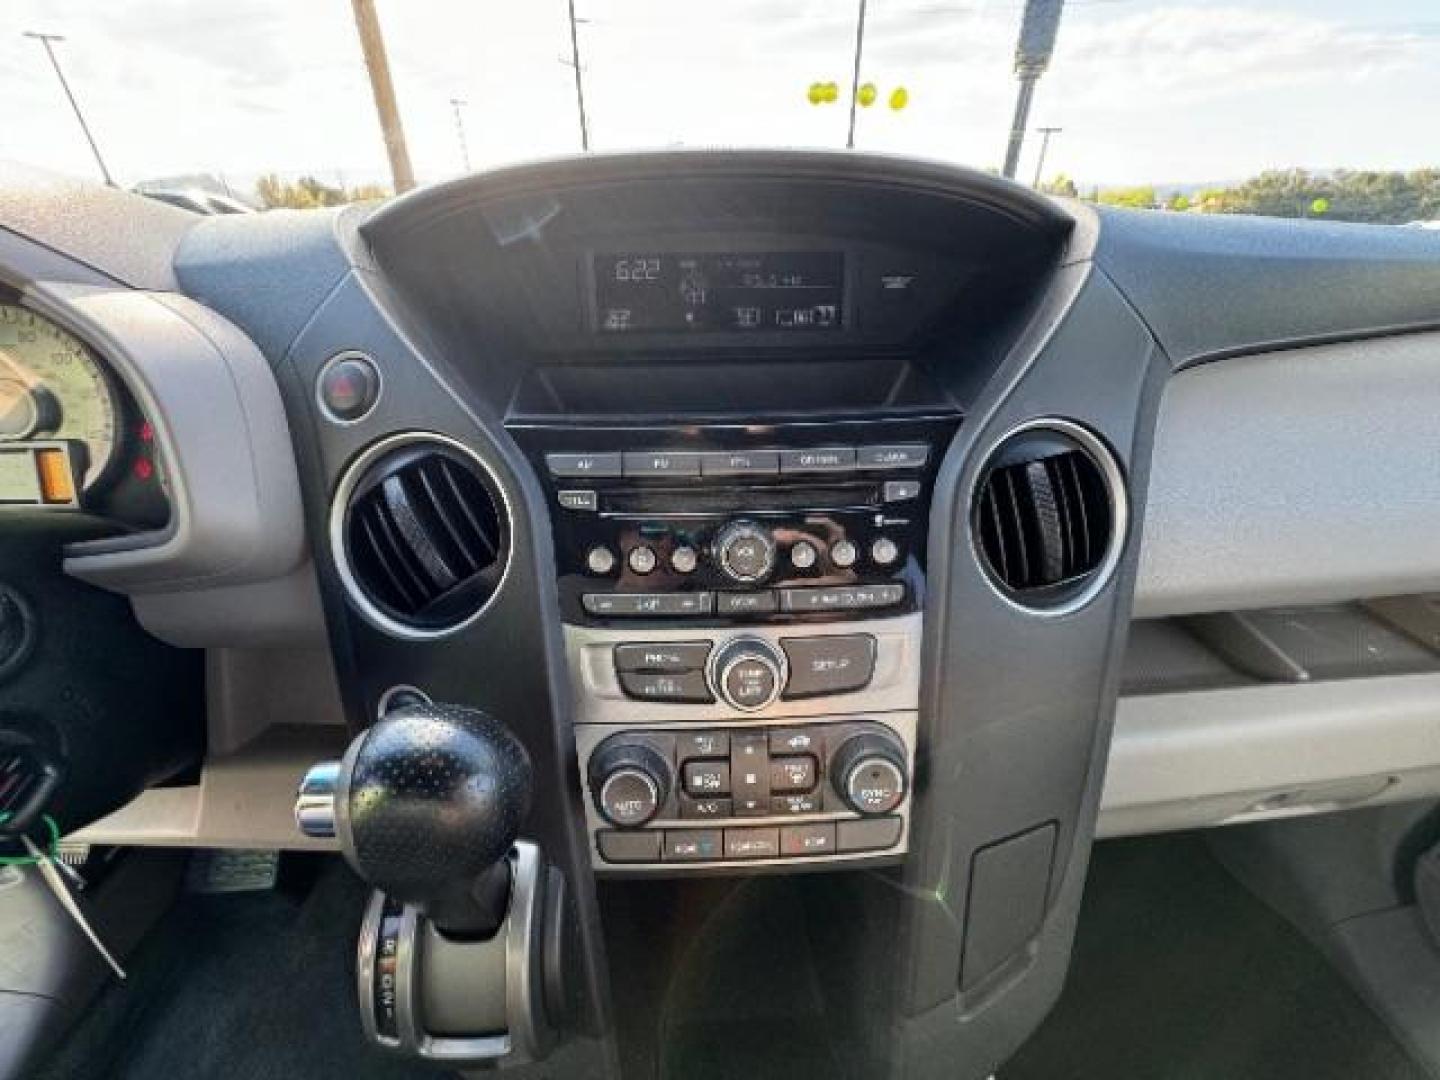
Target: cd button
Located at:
point(893, 457)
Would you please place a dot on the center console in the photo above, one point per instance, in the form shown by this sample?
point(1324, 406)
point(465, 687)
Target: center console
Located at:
point(742, 609)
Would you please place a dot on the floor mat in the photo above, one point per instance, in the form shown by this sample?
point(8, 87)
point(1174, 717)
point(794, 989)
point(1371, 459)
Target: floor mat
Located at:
point(255, 985)
point(1181, 974)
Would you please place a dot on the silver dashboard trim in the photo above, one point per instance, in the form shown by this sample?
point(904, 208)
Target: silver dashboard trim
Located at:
point(597, 697)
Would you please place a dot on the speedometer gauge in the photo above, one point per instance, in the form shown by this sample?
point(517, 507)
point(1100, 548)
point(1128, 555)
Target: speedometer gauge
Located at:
point(52, 388)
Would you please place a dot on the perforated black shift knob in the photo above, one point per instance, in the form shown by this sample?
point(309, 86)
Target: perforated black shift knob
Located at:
point(428, 802)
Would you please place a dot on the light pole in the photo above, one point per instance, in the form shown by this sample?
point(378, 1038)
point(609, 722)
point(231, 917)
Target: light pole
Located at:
point(48, 41)
point(382, 87)
point(1045, 133)
point(1038, 27)
point(457, 104)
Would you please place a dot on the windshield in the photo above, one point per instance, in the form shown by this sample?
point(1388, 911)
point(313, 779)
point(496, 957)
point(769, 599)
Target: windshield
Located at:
point(1306, 108)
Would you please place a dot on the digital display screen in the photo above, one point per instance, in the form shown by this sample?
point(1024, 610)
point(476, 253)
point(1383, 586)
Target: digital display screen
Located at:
point(749, 292)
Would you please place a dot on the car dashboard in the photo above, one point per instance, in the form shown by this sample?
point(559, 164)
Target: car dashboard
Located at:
point(799, 512)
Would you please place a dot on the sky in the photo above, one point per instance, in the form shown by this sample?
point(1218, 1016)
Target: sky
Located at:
point(1145, 91)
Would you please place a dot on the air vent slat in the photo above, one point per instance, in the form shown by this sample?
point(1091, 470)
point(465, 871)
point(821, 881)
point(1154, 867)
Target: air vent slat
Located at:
point(423, 537)
point(1014, 535)
point(1043, 519)
point(461, 544)
point(486, 532)
point(1050, 530)
point(388, 557)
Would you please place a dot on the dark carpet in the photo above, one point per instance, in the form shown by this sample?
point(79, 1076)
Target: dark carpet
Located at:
point(247, 985)
point(1179, 973)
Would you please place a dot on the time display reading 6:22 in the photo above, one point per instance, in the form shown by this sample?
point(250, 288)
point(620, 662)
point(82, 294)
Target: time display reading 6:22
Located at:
point(719, 291)
point(641, 268)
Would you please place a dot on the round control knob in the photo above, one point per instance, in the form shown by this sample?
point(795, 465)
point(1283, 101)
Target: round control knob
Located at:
point(600, 560)
point(884, 551)
point(745, 551)
point(629, 781)
point(684, 559)
point(843, 554)
point(869, 773)
point(748, 673)
point(803, 555)
point(642, 559)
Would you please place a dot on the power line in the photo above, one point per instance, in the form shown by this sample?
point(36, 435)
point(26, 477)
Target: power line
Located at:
point(48, 41)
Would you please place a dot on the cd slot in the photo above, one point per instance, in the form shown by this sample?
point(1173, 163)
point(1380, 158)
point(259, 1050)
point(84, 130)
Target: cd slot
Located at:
point(700, 501)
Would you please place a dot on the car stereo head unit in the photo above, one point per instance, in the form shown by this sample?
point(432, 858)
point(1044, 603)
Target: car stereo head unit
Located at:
point(725, 525)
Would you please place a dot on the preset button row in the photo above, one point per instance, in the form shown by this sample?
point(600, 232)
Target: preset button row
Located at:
point(670, 463)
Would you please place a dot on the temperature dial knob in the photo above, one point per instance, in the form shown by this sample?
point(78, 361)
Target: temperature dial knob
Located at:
point(629, 782)
point(745, 552)
point(869, 773)
point(748, 673)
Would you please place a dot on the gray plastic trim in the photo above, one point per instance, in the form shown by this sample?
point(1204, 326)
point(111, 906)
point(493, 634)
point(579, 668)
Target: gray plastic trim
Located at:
point(1219, 757)
point(223, 435)
point(1297, 477)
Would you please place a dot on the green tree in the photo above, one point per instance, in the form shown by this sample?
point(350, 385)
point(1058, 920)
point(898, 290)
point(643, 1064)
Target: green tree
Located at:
point(1140, 198)
point(307, 193)
point(1060, 184)
point(1179, 201)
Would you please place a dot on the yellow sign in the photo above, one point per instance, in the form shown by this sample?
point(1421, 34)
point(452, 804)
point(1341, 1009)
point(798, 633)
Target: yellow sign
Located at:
point(867, 95)
point(899, 98)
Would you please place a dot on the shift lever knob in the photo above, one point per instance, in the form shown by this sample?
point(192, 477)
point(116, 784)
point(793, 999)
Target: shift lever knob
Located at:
point(427, 804)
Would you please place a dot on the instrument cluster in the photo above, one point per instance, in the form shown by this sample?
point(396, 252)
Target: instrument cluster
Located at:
point(71, 435)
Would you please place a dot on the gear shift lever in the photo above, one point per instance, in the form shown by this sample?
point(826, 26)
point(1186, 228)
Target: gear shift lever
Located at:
point(426, 804)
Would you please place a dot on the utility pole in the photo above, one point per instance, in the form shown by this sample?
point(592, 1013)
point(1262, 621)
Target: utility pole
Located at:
point(457, 104)
point(1045, 133)
point(48, 41)
point(574, 62)
point(373, 45)
point(1038, 27)
point(855, 77)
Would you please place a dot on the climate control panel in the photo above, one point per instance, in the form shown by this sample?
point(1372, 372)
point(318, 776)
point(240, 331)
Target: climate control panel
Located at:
point(824, 790)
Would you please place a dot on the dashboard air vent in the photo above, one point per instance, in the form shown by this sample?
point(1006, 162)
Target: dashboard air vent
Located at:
point(1045, 516)
point(424, 537)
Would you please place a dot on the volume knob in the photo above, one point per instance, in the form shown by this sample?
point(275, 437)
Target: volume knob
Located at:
point(745, 552)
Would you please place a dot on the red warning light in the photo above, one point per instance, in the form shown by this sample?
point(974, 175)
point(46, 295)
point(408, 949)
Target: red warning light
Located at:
point(147, 431)
point(143, 468)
